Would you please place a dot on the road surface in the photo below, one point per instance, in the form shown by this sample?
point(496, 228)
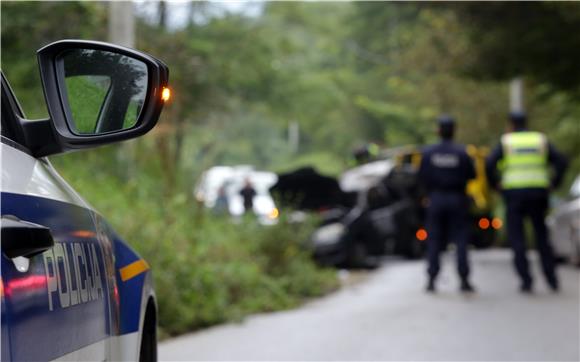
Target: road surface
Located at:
point(389, 317)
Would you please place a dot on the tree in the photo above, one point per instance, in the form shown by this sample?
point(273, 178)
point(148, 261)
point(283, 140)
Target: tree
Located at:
point(408, 58)
point(28, 26)
point(535, 39)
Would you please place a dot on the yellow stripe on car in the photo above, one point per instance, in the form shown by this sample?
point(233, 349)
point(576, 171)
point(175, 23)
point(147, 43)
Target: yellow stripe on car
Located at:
point(132, 270)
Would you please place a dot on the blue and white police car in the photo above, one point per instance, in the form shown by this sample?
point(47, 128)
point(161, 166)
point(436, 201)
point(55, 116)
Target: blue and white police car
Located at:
point(71, 288)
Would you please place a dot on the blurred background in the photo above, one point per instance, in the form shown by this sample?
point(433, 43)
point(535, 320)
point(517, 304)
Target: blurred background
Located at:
point(280, 86)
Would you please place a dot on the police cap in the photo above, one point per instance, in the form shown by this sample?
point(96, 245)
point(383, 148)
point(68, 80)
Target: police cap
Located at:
point(445, 120)
point(446, 126)
point(518, 118)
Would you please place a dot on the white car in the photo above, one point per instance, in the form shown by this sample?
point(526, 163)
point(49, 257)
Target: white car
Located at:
point(231, 179)
point(564, 225)
point(71, 288)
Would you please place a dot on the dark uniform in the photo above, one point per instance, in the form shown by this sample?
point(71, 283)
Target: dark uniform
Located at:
point(248, 193)
point(519, 168)
point(444, 172)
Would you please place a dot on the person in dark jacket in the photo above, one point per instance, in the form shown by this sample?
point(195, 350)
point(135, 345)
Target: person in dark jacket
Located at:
point(519, 167)
point(445, 169)
point(248, 193)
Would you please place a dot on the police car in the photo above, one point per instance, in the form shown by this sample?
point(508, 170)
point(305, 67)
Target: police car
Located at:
point(71, 288)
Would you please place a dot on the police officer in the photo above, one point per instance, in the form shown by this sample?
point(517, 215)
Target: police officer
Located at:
point(523, 158)
point(444, 172)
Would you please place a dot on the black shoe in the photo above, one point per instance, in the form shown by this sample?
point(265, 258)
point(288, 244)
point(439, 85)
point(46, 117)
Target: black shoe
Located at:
point(554, 286)
point(466, 287)
point(526, 288)
point(431, 286)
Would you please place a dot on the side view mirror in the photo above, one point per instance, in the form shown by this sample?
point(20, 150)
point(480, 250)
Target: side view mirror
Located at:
point(99, 93)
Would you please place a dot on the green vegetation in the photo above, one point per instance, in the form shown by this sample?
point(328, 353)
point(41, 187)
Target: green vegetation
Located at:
point(86, 98)
point(131, 116)
point(345, 73)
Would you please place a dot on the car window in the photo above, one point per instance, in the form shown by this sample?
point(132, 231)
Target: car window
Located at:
point(10, 127)
point(27, 89)
point(5, 129)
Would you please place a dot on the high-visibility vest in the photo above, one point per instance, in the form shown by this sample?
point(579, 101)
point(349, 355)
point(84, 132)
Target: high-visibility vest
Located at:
point(525, 160)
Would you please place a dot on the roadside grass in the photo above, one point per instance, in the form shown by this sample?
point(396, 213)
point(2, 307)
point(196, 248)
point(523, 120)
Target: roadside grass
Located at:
point(207, 269)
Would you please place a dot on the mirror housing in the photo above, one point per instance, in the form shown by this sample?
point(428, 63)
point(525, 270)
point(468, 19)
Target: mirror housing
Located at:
point(52, 72)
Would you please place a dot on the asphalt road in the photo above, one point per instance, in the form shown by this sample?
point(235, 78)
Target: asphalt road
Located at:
point(387, 316)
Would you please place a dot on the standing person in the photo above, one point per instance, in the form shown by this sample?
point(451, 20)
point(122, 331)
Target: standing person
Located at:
point(444, 172)
point(523, 159)
point(222, 204)
point(248, 193)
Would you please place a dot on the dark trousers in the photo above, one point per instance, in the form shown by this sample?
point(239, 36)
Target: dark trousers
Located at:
point(532, 204)
point(447, 216)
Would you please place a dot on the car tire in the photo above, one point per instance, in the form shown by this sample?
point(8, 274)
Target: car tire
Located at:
point(148, 350)
point(575, 257)
point(408, 246)
point(414, 250)
point(357, 255)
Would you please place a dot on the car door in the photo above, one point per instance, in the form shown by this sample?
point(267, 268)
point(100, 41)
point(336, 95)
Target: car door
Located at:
point(57, 303)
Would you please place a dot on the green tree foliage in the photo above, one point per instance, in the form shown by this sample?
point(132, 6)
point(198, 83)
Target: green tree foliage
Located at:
point(534, 39)
point(27, 26)
point(410, 56)
point(424, 59)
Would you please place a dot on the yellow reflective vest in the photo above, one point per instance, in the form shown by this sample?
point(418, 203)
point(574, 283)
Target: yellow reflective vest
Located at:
point(525, 160)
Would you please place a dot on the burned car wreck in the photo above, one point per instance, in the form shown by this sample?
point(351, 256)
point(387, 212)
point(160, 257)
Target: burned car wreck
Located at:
point(376, 208)
point(372, 211)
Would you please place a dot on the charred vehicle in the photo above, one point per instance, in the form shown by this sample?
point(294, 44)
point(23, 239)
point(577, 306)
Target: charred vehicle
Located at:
point(369, 212)
point(378, 208)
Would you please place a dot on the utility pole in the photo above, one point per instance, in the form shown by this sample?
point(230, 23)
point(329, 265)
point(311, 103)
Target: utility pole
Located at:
point(162, 11)
point(293, 136)
point(517, 95)
point(122, 32)
point(122, 23)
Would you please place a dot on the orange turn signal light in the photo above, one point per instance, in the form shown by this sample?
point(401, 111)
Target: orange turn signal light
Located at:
point(483, 223)
point(165, 94)
point(421, 234)
point(83, 234)
point(274, 213)
point(496, 223)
